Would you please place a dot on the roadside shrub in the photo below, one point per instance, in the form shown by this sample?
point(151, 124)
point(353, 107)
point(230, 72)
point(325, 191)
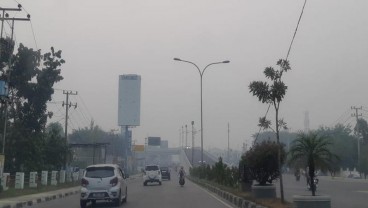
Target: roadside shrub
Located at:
point(219, 173)
point(262, 161)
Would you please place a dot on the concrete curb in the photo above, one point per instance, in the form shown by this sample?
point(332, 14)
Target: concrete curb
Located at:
point(48, 197)
point(229, 197)
point(38, 200)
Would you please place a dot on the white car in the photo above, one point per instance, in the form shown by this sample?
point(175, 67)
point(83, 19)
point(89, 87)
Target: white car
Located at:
point(103, 182)
point(152, 174)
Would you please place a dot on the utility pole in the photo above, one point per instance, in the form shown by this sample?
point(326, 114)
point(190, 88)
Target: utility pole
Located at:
point(186, 136)
point(182, 136)
point(192, 143)
point(228, 142)
point(5, 16)
point(67, 106)
point(356, 114)
point(179, 138)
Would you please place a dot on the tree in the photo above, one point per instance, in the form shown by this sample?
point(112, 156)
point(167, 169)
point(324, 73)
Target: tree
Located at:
point(273, 94)
point(314, 151)
point(344, 145)
point(262, 161)
point(32, 77)
point(361, 129)
point(55, 147)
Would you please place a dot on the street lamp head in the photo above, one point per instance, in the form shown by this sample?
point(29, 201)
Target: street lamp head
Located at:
point(177, 59)
point(225, 62)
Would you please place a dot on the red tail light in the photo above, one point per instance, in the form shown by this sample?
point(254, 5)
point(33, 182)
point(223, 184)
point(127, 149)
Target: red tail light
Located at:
point(114, 182)
point(84, 182)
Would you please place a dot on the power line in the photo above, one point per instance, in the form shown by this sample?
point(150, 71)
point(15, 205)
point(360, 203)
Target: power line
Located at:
point(34, 36)
point(287, 56)
point(296, 29)
point(347, 112)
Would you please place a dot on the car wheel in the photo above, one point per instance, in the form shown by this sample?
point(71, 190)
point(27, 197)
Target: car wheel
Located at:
point(159, 183)
point(117, 202)
point(126, 196)
point(83, 203)
point(145, 184)
point(93, 202)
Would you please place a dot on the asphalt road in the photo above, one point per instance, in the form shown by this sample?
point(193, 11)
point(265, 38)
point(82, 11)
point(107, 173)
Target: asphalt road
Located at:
point(169, 194)
point(352, 193)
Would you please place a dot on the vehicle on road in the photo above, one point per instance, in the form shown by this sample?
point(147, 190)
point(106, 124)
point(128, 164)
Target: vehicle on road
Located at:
point(165, 173)
point(105, 182)
point(182, 176)
point(315, 182)
point(152, 174)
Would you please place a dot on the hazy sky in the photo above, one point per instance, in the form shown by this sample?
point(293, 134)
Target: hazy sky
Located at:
point(101, 40)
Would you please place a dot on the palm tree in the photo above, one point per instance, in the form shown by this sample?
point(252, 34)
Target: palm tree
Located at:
point(313, 150)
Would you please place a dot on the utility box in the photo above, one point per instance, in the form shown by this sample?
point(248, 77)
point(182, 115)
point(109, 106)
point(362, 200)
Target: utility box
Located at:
point(33, 179)
point(54, 178)
point(19, 180)
point(5, 181)
point(62, 176)
point(44, 177)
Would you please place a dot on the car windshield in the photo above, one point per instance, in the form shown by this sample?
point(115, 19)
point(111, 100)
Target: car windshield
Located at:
point(99, 172)
point(164, 168)
point(151, 167)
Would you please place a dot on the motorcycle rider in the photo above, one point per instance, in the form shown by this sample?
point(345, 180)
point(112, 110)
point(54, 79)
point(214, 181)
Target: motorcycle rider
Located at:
point(182, 174)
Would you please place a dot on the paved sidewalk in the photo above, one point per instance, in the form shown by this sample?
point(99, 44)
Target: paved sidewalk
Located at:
point(29, 200)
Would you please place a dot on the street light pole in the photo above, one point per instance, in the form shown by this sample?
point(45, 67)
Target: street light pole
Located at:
point(201, 77)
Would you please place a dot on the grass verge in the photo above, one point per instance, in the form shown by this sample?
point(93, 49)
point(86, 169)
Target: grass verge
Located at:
point(271, 203)
point(12, 192)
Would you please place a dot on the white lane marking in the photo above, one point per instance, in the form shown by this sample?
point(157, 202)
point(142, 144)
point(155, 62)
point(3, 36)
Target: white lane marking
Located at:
point(214, 196)
point(366, 192)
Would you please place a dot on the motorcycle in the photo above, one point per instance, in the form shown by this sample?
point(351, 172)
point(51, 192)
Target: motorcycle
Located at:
point(181, 180)
point(297, 177)
point(315, 182)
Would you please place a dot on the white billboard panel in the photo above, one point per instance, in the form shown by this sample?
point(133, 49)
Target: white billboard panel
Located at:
point(129, 100)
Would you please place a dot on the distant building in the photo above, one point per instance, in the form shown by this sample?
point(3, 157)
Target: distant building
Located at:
point(164, 144)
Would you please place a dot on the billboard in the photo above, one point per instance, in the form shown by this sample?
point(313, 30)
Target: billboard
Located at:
point(129, 104)
point(154, 141)
point(138, 148)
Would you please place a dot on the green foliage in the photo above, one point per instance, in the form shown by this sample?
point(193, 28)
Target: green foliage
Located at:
point(273, 93)
point(285, 137)
point(344, 145)
point(32, 77)
point(263, 162)
point(56, 147)
point(219, 173)
point(363, 163)
point(312, 149)
point(361, 129)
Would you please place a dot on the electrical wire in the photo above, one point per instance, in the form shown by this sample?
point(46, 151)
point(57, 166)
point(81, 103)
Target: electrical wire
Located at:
point(34, 36)
point(296, 29)
point(342, 116)
point(85, 106)
point(30, 21)
point(287, 56)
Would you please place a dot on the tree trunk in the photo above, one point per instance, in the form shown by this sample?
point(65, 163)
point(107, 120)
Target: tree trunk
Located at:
point(279, 154)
